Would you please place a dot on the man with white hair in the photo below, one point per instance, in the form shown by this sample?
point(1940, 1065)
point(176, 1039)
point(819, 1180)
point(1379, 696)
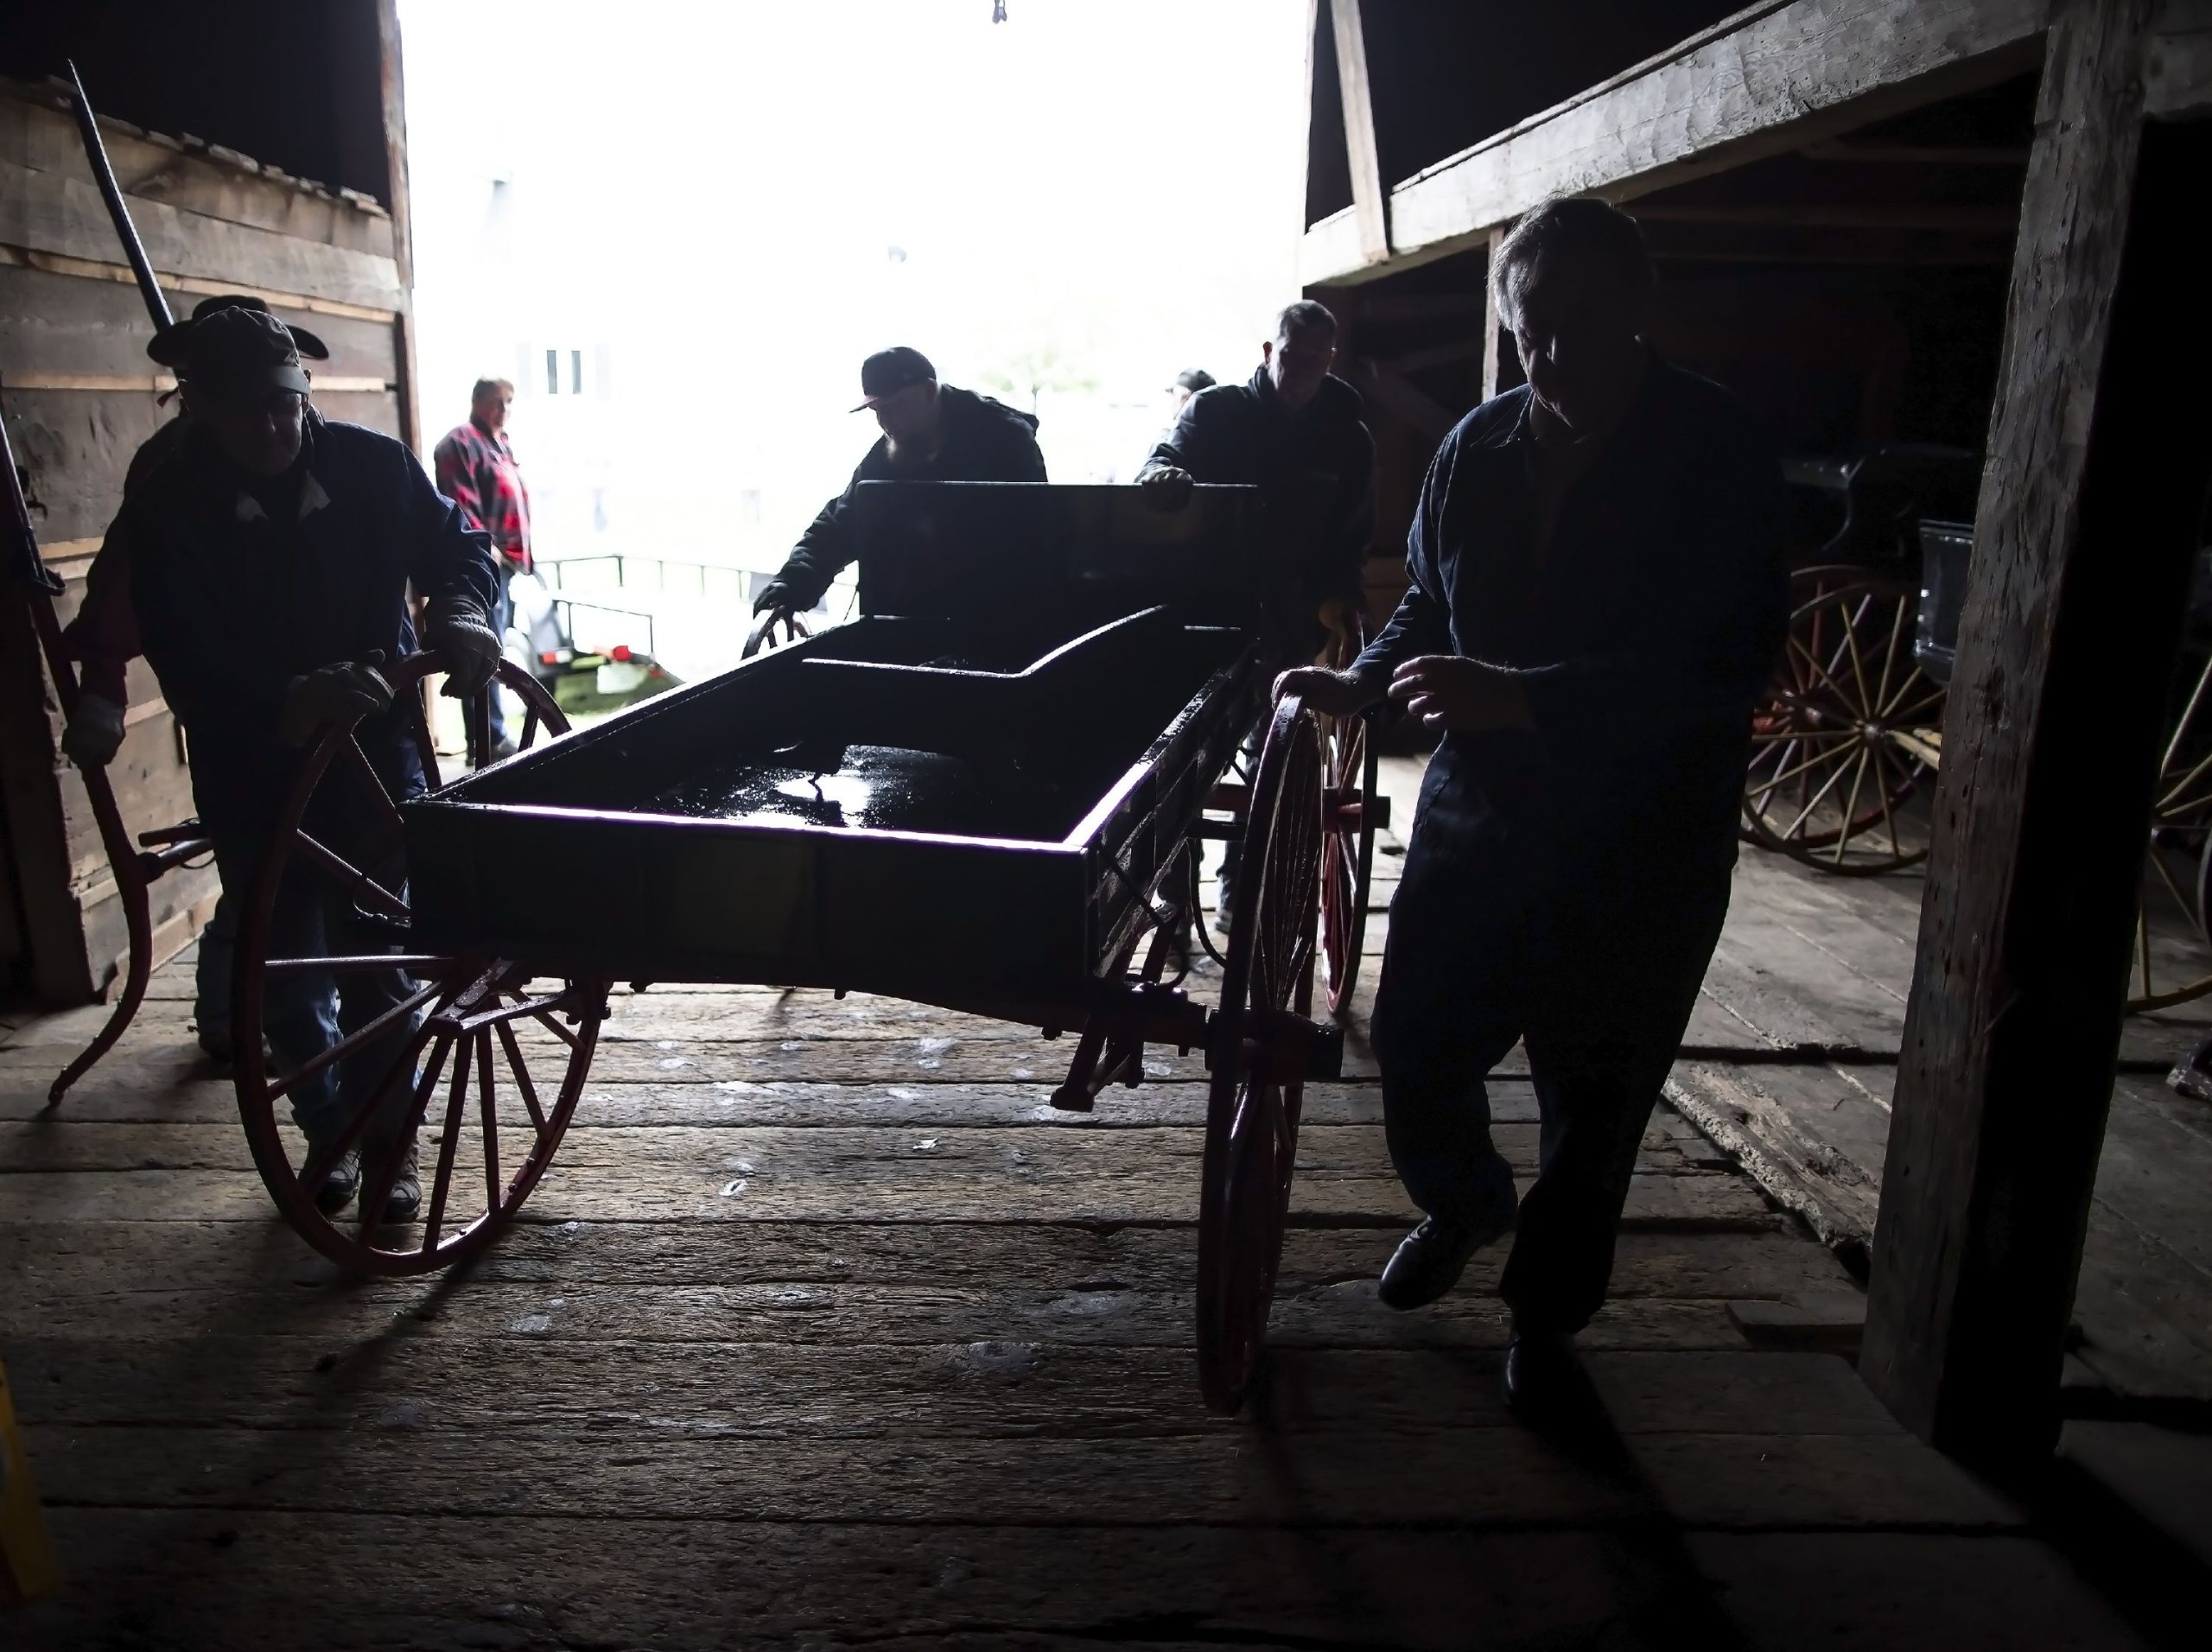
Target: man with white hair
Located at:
point(1596, 596)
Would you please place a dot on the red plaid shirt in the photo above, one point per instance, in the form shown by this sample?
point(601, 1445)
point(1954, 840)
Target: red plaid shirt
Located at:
point(477, 471)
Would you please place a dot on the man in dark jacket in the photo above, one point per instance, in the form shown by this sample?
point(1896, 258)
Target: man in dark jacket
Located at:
point(932, 433)
point(1597, 597)
point(1293, 429)
point(261, 565)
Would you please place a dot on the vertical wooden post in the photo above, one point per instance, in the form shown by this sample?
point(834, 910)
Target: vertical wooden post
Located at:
point(1370, 206)
point(393, 91)
point(2085, 539)
point(1501, 361)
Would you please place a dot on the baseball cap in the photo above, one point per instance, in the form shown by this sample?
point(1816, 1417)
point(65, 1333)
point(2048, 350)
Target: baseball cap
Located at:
point(233, 342)
point(888, 371)
point(1194, 379)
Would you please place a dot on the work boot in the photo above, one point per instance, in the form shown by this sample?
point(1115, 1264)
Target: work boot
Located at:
point(405, 1202)
point(344, 1181)
point(215, 1044)
point(1429, 1260)
point(1545, 1386)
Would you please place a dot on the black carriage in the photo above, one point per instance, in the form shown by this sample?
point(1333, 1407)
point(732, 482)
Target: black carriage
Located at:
point(987, 793)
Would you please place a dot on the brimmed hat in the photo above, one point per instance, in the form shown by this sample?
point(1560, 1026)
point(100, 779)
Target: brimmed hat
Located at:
point(888, 371)
point(234, 343)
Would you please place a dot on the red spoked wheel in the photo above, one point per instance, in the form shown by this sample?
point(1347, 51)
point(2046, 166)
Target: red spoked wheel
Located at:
point(429, 1018)
point(1253, 1100)
point(1350, 761)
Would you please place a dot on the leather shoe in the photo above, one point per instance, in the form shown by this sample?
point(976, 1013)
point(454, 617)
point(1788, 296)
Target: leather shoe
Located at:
point(1429, 1261)
point(1543, 1380)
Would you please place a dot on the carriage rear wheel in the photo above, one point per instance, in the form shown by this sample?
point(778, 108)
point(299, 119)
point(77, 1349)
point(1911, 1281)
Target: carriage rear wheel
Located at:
point(1842, 739)
point(1351, 763)
point(2172, 923)
point(524, 1043)
point(1252, 1103)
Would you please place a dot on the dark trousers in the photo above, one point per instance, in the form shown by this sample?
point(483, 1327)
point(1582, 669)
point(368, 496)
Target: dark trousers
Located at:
point(1493, 942)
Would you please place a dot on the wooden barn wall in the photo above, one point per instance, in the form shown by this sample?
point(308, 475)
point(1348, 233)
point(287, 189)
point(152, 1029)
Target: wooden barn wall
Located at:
point(79, 397)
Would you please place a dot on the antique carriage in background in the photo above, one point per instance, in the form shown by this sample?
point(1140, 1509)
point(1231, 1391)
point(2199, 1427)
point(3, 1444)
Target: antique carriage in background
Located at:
point(1845, 748)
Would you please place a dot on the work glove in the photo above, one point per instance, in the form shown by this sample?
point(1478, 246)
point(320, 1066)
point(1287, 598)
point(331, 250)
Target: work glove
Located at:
point(1166, 487)
point(94, 734)
point(776, 594)
point(458, 629)
point(343, 693)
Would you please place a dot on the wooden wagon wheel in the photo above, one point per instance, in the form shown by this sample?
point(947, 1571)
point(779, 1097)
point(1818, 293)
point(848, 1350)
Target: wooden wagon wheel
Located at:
point(764, 634)
point(2164, 968)
point(1252, 1105)
point(1839, 743)
point(464, 1016)
point(1350, 761)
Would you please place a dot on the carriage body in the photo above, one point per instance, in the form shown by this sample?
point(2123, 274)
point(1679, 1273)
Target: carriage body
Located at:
point(849, 812)
point(986, 793)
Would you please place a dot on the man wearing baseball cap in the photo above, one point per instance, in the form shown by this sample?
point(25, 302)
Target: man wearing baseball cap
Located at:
point(932, 433)
point(262, 564)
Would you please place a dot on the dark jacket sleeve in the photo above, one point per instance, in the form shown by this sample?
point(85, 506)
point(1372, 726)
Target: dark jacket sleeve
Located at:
point(1422, 624)
point(1186, 446)
point(447, 556)
point(103, 637)
point(824, 550)
point(1710, 647)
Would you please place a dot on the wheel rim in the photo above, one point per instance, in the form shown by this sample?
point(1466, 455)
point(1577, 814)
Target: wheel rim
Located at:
point(1832, 761)
point(1350, 762)
point(2165, 969)
point(1251, 1112)
point(495, 1063)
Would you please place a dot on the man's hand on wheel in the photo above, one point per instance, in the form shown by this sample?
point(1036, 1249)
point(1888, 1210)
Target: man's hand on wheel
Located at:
point(458, 629)
point(1166, 487)
point(776, 595)
point(332, 694)
point(1333, 694)
point(95, 732)
point(1451, 691)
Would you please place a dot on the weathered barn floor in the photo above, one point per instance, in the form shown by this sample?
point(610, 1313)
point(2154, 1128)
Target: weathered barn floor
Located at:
point(918, 1374)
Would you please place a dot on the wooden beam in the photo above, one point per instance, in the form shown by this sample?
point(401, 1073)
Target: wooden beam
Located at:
point(393, 97)
point(1836, 215)
point(2086, 530)
point(1408, 401)
point(1501, 359)
point(44, 212)
point(1782, 77)
point(1369, 205)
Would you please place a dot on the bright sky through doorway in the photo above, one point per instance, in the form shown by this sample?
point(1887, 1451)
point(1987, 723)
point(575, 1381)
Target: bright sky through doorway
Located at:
point(679, 227)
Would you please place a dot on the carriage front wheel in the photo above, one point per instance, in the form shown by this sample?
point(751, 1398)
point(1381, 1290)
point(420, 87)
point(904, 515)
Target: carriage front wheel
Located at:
point(510, 1051)
point(1252, 1103)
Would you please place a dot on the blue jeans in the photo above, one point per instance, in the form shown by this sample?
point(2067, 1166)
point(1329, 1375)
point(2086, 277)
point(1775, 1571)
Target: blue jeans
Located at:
point(211, 979)
point(306, 1014)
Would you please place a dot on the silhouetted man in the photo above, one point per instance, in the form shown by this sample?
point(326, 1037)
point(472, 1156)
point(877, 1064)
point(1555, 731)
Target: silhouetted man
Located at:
point(1597, 597)
point(932, 433)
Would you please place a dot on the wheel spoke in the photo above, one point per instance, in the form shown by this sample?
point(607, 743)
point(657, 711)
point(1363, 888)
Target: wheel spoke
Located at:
point(520, 1067)
point(441, 1183)
point(1851, 809)
point(412, 964)
point(317, 1169)
point(558, 1030)
point(1814, 802)
point(386, 806)
point(488, 1108)
point(529, 727)
point(374, 1200)
point(351, 875)
point(337, 1051)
